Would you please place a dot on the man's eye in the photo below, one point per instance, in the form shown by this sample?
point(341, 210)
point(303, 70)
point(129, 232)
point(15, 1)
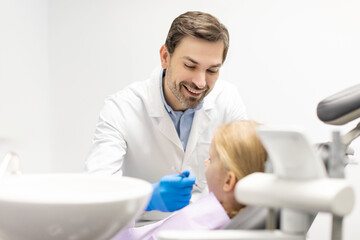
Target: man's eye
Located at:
point(189, 66)
point(212, 71)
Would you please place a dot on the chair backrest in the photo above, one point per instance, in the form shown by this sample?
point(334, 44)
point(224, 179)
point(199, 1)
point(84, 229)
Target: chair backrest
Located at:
point(251, 217)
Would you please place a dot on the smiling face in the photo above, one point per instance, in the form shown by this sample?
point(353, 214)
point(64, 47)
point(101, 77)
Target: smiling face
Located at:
point(191, 71)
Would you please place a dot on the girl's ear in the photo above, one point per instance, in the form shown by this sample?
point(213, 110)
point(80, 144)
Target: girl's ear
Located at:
point(164, 57)
point(230, 182)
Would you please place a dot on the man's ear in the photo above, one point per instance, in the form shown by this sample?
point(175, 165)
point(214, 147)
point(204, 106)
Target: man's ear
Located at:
point(230, 182)
point(164, 57)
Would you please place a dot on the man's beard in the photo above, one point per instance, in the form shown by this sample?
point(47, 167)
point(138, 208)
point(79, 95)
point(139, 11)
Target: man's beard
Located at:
point(186, 102)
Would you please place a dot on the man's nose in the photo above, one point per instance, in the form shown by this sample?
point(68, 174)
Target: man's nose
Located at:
point(200, 79)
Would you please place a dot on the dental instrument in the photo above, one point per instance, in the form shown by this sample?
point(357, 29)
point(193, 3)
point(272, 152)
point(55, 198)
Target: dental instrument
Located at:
point(183, 175)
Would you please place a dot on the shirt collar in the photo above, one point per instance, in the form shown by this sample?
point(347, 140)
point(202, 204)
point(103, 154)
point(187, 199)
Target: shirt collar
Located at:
point(167, 107)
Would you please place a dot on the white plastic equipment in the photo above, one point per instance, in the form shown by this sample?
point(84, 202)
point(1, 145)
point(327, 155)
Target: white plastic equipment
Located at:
point(67, 206)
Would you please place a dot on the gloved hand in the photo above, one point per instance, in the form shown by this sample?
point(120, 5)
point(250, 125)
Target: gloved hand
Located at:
point(172, 192)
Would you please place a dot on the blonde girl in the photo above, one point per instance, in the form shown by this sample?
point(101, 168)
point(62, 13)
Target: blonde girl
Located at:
point(235, 152)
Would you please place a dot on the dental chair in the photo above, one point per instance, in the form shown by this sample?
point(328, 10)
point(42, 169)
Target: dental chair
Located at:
point(305, 180)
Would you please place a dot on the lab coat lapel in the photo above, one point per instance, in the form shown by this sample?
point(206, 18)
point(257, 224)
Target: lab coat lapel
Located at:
point(157, 111)
point(166, 127)
point(200, 122)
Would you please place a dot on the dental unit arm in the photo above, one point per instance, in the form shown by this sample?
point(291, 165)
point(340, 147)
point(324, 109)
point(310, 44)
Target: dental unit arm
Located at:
point(303, 182)
point(339, 109)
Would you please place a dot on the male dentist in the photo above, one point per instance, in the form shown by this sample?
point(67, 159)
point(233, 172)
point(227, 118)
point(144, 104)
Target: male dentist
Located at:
point(164, 125)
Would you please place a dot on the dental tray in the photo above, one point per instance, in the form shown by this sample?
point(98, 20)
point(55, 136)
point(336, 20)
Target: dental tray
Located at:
point(340, 108)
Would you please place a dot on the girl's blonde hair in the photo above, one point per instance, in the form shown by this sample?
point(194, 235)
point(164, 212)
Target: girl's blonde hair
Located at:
point(239, 148)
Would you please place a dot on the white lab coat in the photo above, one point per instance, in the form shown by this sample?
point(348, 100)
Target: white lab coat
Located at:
point(136, 137)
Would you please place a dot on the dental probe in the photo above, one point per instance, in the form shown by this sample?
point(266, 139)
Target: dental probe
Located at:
point(183, 175)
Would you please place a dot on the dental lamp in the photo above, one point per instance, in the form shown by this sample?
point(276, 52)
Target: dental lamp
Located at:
point(303, 181)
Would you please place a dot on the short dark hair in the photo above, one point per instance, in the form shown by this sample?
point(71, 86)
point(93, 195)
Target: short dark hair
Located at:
point(199, 25)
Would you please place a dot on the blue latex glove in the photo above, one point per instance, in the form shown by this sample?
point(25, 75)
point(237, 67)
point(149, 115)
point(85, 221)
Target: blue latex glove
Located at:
point(172, 192)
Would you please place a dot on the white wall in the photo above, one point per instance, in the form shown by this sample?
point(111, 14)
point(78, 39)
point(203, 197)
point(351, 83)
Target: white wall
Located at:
point(289, 55)
point(61, 58)
point(24, 85)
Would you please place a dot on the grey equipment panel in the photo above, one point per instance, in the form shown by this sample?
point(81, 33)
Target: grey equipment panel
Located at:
point(251, 217)
point(340, 108)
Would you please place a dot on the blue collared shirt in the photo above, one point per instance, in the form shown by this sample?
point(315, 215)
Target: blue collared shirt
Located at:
point(182, 119)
